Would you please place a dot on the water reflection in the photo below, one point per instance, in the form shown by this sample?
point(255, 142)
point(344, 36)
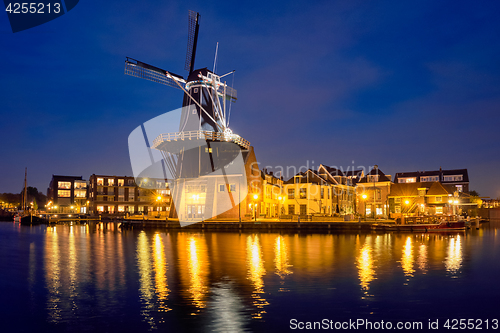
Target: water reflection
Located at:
point(192, 252)
point(145, 276)
point(227, 309)
point(281, 261)
point(98, 270)
point(364, 263)
point(52, 275)
point(453, 261)
point(160, 267)
point(407, 261)
point(256, 271)
point(422, 258)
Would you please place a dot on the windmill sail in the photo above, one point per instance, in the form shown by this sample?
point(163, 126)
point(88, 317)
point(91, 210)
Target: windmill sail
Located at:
point(142, 70)
point(193, 28)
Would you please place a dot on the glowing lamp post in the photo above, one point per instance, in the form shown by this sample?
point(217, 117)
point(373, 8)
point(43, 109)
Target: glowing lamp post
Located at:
point(364, 196)
point(158, 202)
point(255, 197)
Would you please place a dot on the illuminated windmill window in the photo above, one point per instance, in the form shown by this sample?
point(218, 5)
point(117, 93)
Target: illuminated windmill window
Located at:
point(208, 150)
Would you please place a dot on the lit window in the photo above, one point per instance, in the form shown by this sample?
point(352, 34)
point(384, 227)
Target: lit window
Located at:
point(80, 185)
point(208, 150)
point(111, 182)
point(303, 193)
point(66, 185)
point(291, 193)
point(121, 182)
point(64, 193)
point(100, 181)
point(80, 193)
point(459, 188)
point(397, 209)
point(397, 200)
point(121, 209)
point(439, 210)
point(100, 209)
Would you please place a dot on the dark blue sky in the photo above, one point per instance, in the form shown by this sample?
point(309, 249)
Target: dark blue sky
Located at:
point(407, 86)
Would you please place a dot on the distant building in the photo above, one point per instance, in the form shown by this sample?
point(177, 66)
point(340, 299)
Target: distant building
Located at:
point(372, 193)
point(354, 176)
point(273, 195)
point(343, 191)
point(425, 198)
point(120, 195)
point(325, 192)
point(67, 194)
point(308, 194)
point(459, 178)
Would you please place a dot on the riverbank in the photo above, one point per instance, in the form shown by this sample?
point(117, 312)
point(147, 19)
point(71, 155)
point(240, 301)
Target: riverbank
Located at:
point(262, 225)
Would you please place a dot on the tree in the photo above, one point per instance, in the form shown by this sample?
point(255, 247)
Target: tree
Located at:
point(474, 194)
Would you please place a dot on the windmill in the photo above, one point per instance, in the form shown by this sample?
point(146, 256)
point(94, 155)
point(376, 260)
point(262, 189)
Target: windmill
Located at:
point(203, 145)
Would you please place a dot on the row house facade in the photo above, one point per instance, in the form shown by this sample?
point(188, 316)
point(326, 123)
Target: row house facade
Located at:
point(424, 198)
point(325, 192)
point(121, 196)
point(273, 196)
point(457, 178)
point(372, 192)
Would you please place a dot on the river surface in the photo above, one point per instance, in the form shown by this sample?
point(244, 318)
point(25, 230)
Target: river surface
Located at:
point(99, 278)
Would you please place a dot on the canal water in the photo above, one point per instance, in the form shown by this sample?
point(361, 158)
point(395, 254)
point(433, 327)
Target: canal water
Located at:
point(99, 278)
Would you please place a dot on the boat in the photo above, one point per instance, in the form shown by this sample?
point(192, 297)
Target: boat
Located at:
point(445, 226)
point(33, 220)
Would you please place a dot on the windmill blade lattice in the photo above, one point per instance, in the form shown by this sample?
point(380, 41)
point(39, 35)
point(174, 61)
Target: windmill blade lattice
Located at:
point(142, 70)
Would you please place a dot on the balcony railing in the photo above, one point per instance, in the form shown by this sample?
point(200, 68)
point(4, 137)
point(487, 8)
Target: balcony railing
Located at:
point(201, 135)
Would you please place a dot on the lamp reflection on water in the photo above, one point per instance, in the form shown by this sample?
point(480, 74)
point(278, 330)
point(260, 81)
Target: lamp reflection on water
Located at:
point(281, 258)
point(365, 265)
point(422, 258)
point(160, 267)
point(52, 275)
point(195, 248)
point(407, 260)
point(256, 271)
point(143, 257)
point(453, 261)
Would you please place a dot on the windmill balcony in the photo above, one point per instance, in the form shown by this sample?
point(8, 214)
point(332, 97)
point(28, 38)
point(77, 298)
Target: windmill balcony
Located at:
point(200, 135)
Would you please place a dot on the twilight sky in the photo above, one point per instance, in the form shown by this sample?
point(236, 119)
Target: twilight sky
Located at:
point(405, 85)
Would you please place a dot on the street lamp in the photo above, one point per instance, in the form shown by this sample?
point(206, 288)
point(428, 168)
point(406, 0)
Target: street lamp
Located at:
point(158, 201)
point(255, 197)
point(364, 196)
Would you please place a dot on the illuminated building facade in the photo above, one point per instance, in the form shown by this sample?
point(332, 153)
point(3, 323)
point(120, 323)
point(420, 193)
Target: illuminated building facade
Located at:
point(372, 193)
point(458, 178)
point(419, 199)
point(273, 197)
point(319, 193)
point(120, 195)
point(67, 194)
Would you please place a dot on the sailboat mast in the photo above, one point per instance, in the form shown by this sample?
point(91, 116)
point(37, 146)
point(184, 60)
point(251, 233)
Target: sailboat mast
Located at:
point(25, 199)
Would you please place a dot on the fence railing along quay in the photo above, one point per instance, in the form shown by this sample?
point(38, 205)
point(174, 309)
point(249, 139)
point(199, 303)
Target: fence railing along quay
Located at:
point(201, 135)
